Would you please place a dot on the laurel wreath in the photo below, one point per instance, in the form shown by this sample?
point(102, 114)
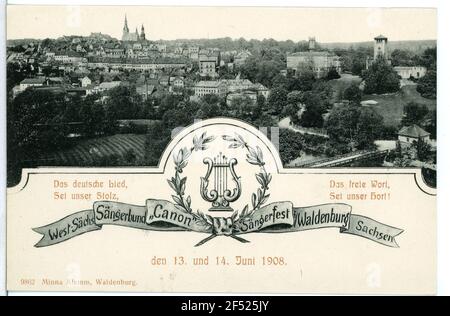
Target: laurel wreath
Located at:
point(254, 157)
point(178, 184)
point(183, 201)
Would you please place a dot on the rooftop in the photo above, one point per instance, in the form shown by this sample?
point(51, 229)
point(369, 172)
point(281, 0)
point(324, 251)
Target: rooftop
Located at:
point(208, 84)
point(109, 85)
point(311, 53)
point(413, 131)
point(380, 37)
point(33, 81)
point(160, 60)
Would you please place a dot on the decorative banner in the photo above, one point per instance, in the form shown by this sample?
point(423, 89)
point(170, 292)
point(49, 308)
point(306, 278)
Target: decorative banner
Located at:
point(161, 215)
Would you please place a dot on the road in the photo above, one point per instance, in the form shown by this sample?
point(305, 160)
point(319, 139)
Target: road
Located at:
point(286, 123)
point(339, 161)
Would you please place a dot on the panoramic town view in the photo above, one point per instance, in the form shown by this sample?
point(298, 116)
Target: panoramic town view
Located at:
point(100, 101)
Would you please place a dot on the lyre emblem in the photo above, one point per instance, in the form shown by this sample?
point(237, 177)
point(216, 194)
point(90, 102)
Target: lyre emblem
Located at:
point(223, 171)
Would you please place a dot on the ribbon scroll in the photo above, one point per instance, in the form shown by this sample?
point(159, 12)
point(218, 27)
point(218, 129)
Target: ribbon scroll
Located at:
point(161, 215)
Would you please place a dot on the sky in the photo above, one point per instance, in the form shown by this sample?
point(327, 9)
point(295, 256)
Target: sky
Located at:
point(326, 24)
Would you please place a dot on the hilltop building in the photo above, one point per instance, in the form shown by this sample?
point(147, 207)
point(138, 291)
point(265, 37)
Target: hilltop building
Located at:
point(380, 50)
point(320, 62)
point(128, 36)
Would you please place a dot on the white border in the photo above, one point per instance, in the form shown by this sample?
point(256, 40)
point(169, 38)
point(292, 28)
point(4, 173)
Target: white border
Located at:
point(443, 102)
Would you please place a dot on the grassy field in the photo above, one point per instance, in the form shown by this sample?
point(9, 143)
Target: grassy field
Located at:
point(390, 106)
point(343, 83)
point(87, 150)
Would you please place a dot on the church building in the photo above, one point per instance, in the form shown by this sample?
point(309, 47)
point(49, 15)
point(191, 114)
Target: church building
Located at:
point(128, 36)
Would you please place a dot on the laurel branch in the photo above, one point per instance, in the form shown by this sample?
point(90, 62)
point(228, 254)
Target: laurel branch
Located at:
point(254, 157)
point(178, 183)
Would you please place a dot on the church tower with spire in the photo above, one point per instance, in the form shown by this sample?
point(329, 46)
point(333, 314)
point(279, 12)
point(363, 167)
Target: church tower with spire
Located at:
point(128, 36)
point(142, 36)
point(126, 30)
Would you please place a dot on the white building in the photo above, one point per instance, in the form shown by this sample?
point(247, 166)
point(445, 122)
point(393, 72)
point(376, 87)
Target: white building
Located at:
point(177, 82)
point(103, 87)
point(320, 62)
point(203, 88)
point(406, 72)
point(409, 134)
point(85, 81)
point(31, 82)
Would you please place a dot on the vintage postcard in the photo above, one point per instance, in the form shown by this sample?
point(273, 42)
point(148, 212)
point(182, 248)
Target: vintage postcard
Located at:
point(221, 149)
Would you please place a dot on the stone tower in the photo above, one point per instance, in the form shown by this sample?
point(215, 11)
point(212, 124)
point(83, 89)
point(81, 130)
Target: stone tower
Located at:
point(312, 43)
point(380, 47)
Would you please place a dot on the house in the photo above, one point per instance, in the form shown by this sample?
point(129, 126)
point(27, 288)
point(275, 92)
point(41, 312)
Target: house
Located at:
point(31, 82)
point(236, 85)
point(320, 62)
point(85, 81)
point(207, 65)
point(215, 87)
point(164, 80)
point(250, 95)
point(261, 90)
point(145, 90)
point(406, 72)
point(69, 57)
point(103, 87)
point(409, 134)
point(241, 57)
point(54, 81)
point(177, 82)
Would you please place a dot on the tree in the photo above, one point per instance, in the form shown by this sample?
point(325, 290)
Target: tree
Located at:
point(280, 81)
point(428, 58)
point(314, 110)
point(324, 90)
point(35, 124)
point(263, 67)
point(208, 110)
point(293, 83)
point(333, 74)
point(243, 108)
point(290, 145)
point(353, 94)
point(402, 57)
point(291, 110)
point(277, 100)
point(295, 97)
point(175, 118)
point(368, 128)
point(429, 124)
point(123, 103)
point(414, 113)
point(423, 149)
point(381, 78)
point(155, 142)
point(426, 85)
point(15, 73)
point(261, 102)
point(353, 126)
point(306, 76)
